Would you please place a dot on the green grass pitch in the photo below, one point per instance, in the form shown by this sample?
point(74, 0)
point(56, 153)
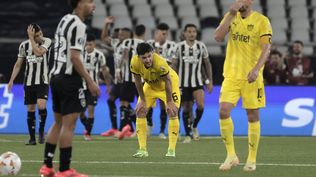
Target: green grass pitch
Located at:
point(109, 157)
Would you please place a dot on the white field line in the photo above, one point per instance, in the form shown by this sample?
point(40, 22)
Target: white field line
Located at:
point(175, 163)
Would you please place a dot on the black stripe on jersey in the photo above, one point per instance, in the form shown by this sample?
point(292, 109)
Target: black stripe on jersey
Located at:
point(130, 54)
point(64, 66)
point(266, 35)
point(73, 37)
point(190, 66)
point(183, 64)
point(26, 46)
point(164, 74)
point(199, 47)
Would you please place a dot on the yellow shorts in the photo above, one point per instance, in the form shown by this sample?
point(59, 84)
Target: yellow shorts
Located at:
point(151, 95)
point(252, 95)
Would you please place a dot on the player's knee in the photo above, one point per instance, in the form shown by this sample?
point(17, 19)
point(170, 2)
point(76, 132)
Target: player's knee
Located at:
point(224, 112)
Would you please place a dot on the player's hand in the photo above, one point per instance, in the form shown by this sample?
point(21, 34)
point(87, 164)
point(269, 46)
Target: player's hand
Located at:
point(235, 7)
point(94, 89)
point(252, 75)
point(109, 19)
point(10, 84)
point(209, 87)
point(30, 31)
point(118, 75)
point(172, 109)
point(141, 109)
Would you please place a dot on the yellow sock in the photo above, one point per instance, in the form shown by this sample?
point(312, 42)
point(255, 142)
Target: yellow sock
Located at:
point(173, 131)
point(227, 131)
point(253, 140)
point(141, 130)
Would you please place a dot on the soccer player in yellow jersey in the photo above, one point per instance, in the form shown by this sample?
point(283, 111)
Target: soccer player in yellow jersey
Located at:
point(161, 82)
point(248, 47)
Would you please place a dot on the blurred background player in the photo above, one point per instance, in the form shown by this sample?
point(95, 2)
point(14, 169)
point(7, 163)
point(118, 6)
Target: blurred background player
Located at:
point(35, 52)
point(125, 76)
point(249, 33)
point(191, 56)
point(275, 70)
point(161, 82)
point(66, 86)
point(299, 66)
point(95, 63)
point(166, 49)
point(116, 43)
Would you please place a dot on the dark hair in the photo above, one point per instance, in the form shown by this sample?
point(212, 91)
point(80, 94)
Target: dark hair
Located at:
point(276, 52)
point(162, 26)
point(73, 3)
point(298, 42)
point(90, 37)
point(140, 30)
point(143, 48)
point(127, 30)
point(36, 27)
point(189, 25)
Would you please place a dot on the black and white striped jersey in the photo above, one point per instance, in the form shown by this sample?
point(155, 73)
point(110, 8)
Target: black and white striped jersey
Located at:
point(36, 70)
point(167, 50)
point(190, 61)
point(70, 34)
point(130, 45)
point(93, 62)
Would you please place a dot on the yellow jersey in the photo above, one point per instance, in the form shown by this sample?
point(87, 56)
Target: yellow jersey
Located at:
point(244, 47)
point(153, 75)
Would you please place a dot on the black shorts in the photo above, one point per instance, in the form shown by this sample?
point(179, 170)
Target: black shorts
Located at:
point(128, 91)
point(91, 100)
point(187, 93)
point(32, 93)
point(68, 94)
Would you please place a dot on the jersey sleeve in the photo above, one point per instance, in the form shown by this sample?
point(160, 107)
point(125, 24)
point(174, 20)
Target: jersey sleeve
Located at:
point(204, 51)
point(163, 68)
point(78, 37)
point(265, 28)
point(126, 44)
point(47, 43)
point(21, 53)
point(102, 59)
point(134, 67)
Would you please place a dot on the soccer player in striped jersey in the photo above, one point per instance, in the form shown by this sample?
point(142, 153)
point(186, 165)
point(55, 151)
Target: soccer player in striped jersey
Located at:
point(129, 50)
point(95, 63)
point(35, 52)
point(248, 47)
point(190, 59)
point(117, 44)
point(166, 49)
point(66, 86)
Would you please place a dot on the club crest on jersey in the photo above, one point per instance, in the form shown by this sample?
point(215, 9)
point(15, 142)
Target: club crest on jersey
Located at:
point(250, 27)
point(80, 41)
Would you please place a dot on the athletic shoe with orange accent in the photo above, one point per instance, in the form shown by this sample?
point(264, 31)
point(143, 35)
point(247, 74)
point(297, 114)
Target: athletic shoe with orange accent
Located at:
point(110, 132)
point(71, 172)
point(124, 131)
point(46, 171)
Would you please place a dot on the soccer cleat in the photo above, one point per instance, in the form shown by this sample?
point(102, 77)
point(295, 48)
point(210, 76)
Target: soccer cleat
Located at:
point(30, 142)
point(46, 171)
point(229, 163)
point(86, 136)
point(70, 173)
point(41, 138)
point(110, 132)
point(250, 166)
point(195, 133)
point(125, 130)
point(171, 153)
point(162, 136)
point(141, 153)
point(187, 139)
